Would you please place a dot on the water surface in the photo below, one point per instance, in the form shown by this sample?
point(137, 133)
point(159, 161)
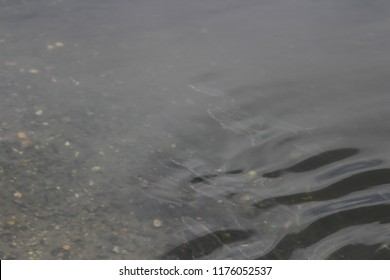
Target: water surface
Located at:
point(250, 129)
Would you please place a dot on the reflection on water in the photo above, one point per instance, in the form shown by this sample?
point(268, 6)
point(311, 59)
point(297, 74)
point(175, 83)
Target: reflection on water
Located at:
point(282, 215)
point(194, 129)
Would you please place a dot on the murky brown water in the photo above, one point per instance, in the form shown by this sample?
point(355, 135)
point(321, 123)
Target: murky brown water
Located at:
point(194, 129)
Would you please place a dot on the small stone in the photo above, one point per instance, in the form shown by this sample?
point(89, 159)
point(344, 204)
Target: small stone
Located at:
point(18, 195)
point(59, 44)
point(33, 71)
point(33, 242)
point(116, 250)
point(24, 141)
point(66, 247)
point(252, 174)
point(22, 135)
point(11, 222)
point(96, 169)
point(76, 82)
point(245, 198)
point(39, 113)
point(157, 223)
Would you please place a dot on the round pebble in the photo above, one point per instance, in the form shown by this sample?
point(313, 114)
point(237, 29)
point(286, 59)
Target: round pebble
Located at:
point(18, 195)
point(157, 223)
point(252, 174)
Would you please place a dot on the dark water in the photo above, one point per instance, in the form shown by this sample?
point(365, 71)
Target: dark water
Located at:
point(194, 129)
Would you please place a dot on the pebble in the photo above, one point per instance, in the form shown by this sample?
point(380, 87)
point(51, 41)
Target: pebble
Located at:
point(96, 168)
point(33, 71)
point(22, 135)
point(245, 198)
point(252, 174)
point(56, 45)
point(66, 247)
point(24, 141)
point(18, 195)
point(157, 223)
point(11, 221)
point(116, 250)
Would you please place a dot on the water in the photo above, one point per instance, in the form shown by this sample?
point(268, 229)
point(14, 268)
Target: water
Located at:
point(194, 129)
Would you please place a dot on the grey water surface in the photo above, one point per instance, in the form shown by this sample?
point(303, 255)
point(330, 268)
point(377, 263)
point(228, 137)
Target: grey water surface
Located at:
point(194, 129)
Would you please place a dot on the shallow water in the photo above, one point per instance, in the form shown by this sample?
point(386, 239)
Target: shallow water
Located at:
point(194, 129)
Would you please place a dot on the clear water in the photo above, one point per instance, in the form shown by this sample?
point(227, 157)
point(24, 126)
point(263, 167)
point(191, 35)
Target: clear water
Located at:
point(194, 129)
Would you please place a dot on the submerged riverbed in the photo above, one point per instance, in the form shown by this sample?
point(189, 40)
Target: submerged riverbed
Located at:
point(194, 129)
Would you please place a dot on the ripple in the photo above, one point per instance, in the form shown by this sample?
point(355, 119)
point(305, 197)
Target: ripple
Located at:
point(275, 191)
point(374, 234)
point(315, 162)
point(232, 215)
